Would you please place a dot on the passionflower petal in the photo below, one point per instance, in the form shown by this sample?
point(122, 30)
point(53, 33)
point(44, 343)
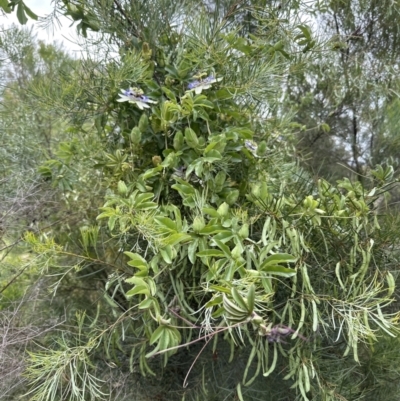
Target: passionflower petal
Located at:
point(199, 85)
point(135, 96)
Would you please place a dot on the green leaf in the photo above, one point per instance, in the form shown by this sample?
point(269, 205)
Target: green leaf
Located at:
point(21, 14)
point(243, 132)
point(189, 201)
point(151, 172)
point(306, 32)
point(218, 313)
point(169, 93)
point(166, 223)
point(143, 198)
point(183, 187)
point(225, 249)
point(157, 333)
point(239, 299)
point(210, 146)
point(223, 236)
point(139, 289)
point(210, 211)
point(202, 101)
point(232, 196)
point(211, 253)
point(219, 288)
point(110, 301)
point(166, 254)
point(192, 248)
point(191, 138)
point(146, 303)
point(278, 270)
point(212, 155)
point(215, 301)
point(211, 229)
point(224, 94)
point(4, 6)
point(30, 13)
point(172, 70)
point(279, 258)
point(241, 45)
point(109, 211)
point(122, 188)
point(147, 206)
point(136, 260)
point(177, 238)
point(135, 280)
point(111, 222)
point(251, 298)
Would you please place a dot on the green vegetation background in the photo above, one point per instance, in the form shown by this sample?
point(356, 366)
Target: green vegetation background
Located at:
point(231, 232)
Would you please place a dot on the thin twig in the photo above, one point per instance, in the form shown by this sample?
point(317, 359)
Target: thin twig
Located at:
point(185, 383)
point(182, 318)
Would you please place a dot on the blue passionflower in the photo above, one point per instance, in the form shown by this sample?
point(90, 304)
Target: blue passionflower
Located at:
point(200, 84)
point(135, 96)
point(252, 146)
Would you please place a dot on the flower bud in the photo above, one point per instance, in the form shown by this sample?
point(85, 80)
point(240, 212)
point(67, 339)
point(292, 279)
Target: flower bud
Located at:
point(223, 209)
point(257, 319)
point(156, 160)
point(169, 80)
point(146, 51)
